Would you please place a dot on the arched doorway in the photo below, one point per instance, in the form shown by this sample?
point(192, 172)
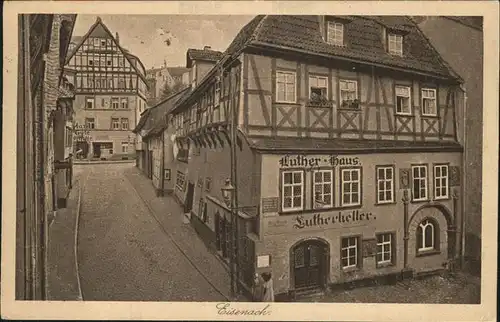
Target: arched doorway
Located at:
point(309, 262)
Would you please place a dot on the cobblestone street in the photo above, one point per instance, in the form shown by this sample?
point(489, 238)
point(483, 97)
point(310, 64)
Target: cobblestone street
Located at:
point(123, 254)
point(433, 290)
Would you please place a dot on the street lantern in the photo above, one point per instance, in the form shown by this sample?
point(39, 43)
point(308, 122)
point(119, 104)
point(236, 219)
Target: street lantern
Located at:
point(227, 192)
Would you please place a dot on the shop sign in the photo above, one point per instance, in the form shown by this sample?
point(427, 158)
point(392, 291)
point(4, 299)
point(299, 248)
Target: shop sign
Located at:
point(81, 133)
point(304, 161)
point(338, 218)
point(334, 219)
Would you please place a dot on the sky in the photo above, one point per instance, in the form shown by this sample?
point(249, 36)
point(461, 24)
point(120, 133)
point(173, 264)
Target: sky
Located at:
point(146, 35)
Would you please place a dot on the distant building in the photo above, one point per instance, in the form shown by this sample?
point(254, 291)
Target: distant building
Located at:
point(200, 61)
point(179, 74)
point(459, 40)
point(110, 85)
point(157, 78)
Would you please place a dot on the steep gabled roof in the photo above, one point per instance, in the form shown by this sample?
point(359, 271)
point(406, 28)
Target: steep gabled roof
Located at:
point(99, 29)
point(363, 36)
point(152, 120)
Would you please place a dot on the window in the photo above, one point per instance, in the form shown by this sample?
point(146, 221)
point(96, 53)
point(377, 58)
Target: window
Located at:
point(124, 123)
point(335, 33)
point(124, 102)
point(348, 94)
point(419, 180)
point(323, 188)
point(403, 105)
point(90, 103)
point(124, 147)
point(114, 102)
point(121, 82)
point(103, 42)
point(349, 252)
point(208, 184)
point(69, 137)
point(351, 187)
point(429, 102)
point(385, 184)
point(426, 236)
point(384, 248)
point(91, 61)
point(89, 123)
point(180, 180)
point(292, 192)
point(103, 102)
point(96, 42)
point(441, 182)
point(318, 88)
point(285, 87)
point(395, 44)
point(115, 124)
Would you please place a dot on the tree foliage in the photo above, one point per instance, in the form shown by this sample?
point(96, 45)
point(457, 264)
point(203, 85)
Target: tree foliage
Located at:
point(168, 90)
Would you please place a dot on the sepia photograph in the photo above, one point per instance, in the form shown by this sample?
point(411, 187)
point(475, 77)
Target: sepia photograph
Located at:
point(244, 162)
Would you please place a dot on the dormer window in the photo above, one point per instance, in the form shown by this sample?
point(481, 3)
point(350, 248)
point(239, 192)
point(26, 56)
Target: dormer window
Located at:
point(335, 33)
point(395, 44)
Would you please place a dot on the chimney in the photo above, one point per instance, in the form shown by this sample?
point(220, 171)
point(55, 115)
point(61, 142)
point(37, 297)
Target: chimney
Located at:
point(117, 38)
point(207, 48)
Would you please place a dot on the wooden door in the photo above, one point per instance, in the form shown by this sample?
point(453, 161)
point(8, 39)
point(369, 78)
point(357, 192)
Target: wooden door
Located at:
point(309, 264)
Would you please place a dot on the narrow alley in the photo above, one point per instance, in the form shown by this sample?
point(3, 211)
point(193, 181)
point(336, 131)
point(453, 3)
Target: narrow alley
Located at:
point(123, 253)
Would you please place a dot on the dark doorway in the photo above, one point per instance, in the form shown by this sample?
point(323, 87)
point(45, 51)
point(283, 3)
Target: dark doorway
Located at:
point(188, 205)
point(82, 146)
point(309, 264)
point(150, 164)
point(97, 149)
point(217, 224)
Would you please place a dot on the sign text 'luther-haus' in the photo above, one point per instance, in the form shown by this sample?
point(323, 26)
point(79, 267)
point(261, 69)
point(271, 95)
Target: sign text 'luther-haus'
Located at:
point(311, 162)
point(338, 218)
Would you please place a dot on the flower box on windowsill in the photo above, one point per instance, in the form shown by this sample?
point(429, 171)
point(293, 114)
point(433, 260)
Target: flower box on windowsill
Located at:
point(351, 105)
point(320, 102)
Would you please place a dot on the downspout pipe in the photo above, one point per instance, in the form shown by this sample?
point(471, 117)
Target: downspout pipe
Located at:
point(462, 88)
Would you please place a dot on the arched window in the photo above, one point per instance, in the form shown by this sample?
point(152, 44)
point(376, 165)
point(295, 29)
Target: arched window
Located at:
point(427, 235)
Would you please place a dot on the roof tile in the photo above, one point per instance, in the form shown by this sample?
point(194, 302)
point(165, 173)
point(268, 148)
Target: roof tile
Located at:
point(363, 37)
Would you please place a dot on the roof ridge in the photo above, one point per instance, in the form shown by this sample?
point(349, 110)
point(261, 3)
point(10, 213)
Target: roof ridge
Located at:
point(258, 29)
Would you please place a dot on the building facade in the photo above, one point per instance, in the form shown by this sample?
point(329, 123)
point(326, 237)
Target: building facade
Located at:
point(179, 75)
point(110, 86)
point(157, 78)
point(346, 163)
point(44, 122)
point(466, 58)
point(157, 137)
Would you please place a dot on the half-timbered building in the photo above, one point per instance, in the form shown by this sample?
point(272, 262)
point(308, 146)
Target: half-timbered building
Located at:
point(347, 163)
point(110, 86)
